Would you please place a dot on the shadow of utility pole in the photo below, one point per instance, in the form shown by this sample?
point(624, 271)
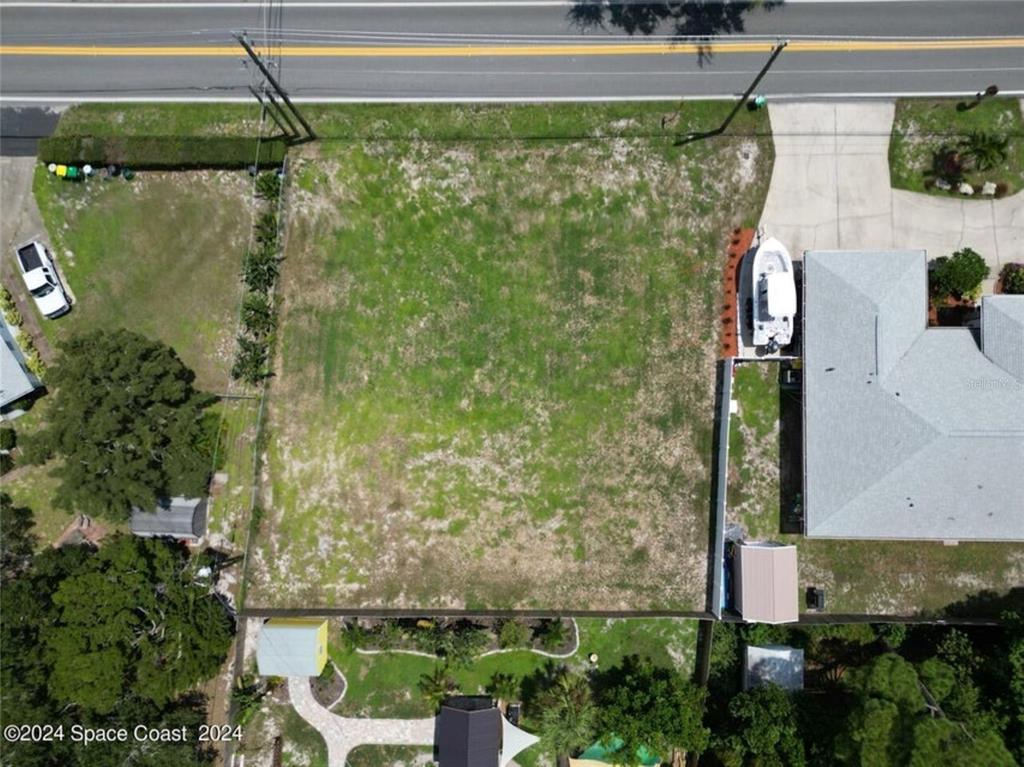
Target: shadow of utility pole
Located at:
point(779, 47)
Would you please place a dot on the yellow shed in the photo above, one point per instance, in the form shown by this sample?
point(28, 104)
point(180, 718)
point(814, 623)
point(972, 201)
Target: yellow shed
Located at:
point(292, 647)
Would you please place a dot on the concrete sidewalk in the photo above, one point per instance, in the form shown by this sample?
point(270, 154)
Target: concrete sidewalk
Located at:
point(342, 734)
point(830, 190)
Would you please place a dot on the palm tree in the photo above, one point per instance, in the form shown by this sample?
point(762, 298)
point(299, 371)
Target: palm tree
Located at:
point(247, 695)
point(437, 685)
point(551, 634)
point(567, 716)
point(985, 150)
point(503, 687)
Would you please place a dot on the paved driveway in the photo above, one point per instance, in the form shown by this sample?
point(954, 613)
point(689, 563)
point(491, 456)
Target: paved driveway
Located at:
point(342, 734)
point(830, 190)
point(19, 221)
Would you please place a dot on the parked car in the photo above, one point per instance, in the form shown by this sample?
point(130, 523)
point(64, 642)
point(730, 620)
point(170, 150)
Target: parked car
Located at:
point(40, 276)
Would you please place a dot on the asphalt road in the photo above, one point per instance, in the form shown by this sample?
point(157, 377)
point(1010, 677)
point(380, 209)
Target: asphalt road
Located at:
point(66, 52)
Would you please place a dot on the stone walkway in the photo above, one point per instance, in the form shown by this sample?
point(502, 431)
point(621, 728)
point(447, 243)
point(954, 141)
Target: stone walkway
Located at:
point(830, 190)
point(342, 734)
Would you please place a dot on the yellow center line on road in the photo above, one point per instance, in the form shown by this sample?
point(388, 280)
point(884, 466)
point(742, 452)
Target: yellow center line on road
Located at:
point(471, 50)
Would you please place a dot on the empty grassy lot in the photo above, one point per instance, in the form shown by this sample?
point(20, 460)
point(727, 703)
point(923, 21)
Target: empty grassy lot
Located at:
point(876, 577)
point(495, 365)
point(160, 254)
point(923, 126)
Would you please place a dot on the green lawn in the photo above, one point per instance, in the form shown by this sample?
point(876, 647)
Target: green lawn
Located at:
point(35, 488)
point(196, 119)
point(389, 756)
point(302, 745)
point(883, 577)
point(923, 126)
point(229, 506)
point(496, 362)
point(448, 122)
point(160, 255)
point(385, 685)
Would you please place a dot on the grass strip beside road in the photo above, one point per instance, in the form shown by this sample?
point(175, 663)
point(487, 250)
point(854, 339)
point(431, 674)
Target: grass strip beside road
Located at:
point(423, 122)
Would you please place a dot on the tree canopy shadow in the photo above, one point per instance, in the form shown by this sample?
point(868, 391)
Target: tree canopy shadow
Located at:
point(696, 21)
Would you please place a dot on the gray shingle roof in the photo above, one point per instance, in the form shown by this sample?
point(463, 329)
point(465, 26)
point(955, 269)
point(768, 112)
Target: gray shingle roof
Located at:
point(15, 381)
point(173, 518)
point(908, 432)
point(1002, 332)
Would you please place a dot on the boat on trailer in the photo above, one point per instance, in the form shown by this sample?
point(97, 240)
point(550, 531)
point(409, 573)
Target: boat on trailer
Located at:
point(774, 295)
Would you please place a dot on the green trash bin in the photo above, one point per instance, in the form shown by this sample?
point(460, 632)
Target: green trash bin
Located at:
point(73, 172)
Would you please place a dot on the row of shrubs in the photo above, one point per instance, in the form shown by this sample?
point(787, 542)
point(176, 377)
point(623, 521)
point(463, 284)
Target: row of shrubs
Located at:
point(456, 641)
point(1013, 279)
point(15, 320)
point(259, 270)
point(166, 152)
point(961, 274)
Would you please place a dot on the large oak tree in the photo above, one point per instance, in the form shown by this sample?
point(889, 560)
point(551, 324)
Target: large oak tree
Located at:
point(126, 422)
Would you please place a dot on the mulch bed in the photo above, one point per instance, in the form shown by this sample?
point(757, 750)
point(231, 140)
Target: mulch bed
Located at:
point(327, 691)
point(490, 625)
point(739, 243)
point(950, 312)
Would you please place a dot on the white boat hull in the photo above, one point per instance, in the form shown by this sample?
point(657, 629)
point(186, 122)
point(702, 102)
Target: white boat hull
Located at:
point(774, 295)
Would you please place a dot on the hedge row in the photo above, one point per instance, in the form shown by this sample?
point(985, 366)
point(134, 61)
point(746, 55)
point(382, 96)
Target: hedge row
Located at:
point(169, 152)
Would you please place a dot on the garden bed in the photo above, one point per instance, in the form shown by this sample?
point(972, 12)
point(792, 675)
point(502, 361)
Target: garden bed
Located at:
point(329, 686)
point(923, 127)
point(386, 684)
point(554, 636)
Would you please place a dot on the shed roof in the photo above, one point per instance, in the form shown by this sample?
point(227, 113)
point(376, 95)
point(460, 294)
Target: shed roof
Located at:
point(176, 517)
point(910, 432)
point(289, 647)
point(15, 380)
point(767, 588)
point(773, 664)
point(468, 738)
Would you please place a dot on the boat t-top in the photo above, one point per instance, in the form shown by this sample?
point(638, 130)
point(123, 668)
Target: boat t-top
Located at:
point(774, 294)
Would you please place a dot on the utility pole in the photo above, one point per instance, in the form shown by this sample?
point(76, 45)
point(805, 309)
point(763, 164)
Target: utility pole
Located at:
point(779, 47)
point(275, 86)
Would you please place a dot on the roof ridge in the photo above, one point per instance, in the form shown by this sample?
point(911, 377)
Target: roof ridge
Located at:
point(936, 436)
point(889, 288)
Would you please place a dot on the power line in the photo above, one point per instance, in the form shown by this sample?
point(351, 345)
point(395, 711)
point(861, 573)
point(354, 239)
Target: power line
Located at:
point(288, 108)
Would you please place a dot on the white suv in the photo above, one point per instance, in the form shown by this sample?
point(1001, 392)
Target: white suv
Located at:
point(41, 279)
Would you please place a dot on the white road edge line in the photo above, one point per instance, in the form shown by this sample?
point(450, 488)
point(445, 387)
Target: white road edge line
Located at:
point(355, 3)
point(78, 98)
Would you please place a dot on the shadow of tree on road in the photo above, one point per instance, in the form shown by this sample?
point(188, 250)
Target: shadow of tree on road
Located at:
point(694, 21)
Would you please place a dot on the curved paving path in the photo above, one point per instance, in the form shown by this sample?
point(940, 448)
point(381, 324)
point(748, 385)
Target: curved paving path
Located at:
point(342, 734)
point(830, 190)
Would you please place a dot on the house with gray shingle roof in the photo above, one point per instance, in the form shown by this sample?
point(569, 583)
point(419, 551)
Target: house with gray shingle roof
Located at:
point(16, 380)
point(910, 432)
